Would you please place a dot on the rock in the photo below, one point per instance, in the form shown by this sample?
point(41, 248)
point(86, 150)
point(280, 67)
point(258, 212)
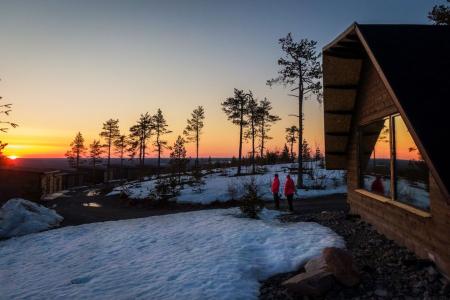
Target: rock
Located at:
point(340, 263)
point(315, 283)
point(381, 292)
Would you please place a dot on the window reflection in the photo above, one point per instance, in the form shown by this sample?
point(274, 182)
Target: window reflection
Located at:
point(375, 158)
point(412, 181)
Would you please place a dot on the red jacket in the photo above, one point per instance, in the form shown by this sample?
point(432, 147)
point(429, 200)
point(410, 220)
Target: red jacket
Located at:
point(377, 186)
point(276, 185)
point(289, 187)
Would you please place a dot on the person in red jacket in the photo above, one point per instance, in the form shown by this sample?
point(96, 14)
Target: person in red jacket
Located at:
point(289, 191)
point(276, 190)
point(378, 186)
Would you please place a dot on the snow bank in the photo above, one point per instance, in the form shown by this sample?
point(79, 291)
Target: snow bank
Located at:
point(20, 217)
point(217, 185)
point(209, 254)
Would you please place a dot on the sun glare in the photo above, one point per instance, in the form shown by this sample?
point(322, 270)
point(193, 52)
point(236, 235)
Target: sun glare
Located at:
point(12, 157)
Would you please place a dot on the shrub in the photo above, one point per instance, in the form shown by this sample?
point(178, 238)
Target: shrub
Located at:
point(232, 190)
point(252, 203)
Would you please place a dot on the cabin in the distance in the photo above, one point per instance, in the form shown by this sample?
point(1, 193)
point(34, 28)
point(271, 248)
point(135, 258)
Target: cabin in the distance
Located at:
point(387, 122)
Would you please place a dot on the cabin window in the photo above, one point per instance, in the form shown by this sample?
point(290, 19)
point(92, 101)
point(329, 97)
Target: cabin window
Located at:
point(412, 175)
point(390, 158)
point(375, 158)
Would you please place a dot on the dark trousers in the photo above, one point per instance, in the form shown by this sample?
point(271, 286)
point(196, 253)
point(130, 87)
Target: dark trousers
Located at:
point(276, 198)
point(289, 199)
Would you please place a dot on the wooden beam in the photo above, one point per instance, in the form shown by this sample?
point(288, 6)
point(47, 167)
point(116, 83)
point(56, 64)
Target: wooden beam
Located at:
point(343, 52)
point(341, 133)
point(339, 112)
point(342, 87)
point(336, 153)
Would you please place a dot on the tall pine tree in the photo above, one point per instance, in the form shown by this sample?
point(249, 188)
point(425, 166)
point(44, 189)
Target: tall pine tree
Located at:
point(194, 128)
point(110, 132)
point(252, 121)
point(300, 67)
point(120, 147)
point(178, 160)
point(265, 121)
point(161, 128)
point(76, 152)
point(236, 109)
point(440, 14)
point(140, 133)
point(95, 156)
point(291, 138)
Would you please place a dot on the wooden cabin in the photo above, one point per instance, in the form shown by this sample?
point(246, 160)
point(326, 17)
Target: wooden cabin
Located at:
point(387, 122)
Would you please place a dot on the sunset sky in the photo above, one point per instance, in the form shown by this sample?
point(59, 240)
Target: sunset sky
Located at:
point(67, 66)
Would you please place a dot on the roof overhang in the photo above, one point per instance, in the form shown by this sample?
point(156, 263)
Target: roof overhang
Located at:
point(342, 63)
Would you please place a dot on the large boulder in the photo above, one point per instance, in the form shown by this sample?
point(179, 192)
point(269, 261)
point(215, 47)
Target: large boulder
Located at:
point(315, 283)
point(19, 217)
point(337, 261)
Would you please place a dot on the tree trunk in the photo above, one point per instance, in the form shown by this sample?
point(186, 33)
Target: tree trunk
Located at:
point(197, 146)
point(292, 150)
point(240, 141)
point(262, 139)
point(121, 165)
point(253, 148)
point(109, 158)
point(300, 135)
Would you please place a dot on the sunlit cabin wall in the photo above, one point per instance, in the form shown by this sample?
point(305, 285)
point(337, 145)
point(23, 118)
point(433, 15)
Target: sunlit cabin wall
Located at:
point(425, 233)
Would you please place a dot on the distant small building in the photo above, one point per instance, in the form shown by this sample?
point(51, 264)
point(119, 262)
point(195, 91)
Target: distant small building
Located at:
point(386, 105)
point(35, 184)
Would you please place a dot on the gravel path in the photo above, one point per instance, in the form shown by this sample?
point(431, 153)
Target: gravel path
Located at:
point(388, 271)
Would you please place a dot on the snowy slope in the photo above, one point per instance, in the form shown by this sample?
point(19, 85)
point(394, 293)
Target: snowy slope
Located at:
point(209, 254)
point(217, 185)
point(20, 217)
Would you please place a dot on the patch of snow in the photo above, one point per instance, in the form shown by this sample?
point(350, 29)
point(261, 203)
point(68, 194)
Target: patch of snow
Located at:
point(55, 195)
point(210, 254)
point(20, 217)
point(217, 185)
point(93, 192)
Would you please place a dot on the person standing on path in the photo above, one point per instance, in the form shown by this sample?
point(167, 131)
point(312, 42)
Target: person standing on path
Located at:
point(276, 190)
point(289, 191)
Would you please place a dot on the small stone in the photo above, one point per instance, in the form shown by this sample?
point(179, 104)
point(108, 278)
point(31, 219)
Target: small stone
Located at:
point(381, 292)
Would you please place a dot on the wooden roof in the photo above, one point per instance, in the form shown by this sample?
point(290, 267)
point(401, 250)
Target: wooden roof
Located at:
point(413, 62)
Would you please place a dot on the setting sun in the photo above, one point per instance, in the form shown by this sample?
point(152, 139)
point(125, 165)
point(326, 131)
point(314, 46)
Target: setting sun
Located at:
point(13, 157)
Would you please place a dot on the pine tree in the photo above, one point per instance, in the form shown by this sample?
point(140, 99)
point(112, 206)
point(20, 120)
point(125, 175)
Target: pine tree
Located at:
point(95, 153)
point(285, 157)
point(253, 119)
point(161, 128)
point(5, 109)
point(110, 132)
point(318, 154)
point(300, 66)
point(77, 151)
point(291, 138)
point(306, 151)
point(440, 14)
point(140, 133)
point(178, 160)
point(265, 121)
point(194, 128)
point(120, 147)
point(236, 109)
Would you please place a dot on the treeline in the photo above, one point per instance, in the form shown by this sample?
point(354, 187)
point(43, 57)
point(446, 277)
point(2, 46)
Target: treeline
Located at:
point(285, 155)
point(147, 134)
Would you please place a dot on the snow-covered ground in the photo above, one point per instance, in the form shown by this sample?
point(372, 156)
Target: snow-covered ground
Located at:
point(211, 254)
point(222, 186)
point(20, 217)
